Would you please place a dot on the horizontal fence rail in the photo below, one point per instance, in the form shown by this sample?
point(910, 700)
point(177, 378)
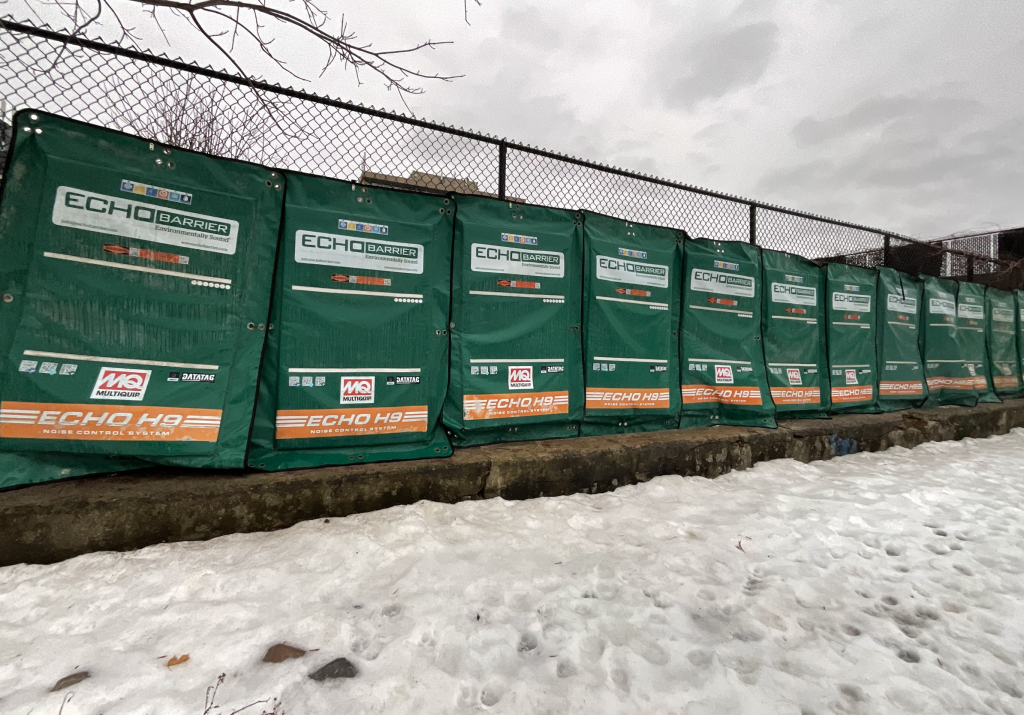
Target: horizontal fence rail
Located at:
point(222, 114)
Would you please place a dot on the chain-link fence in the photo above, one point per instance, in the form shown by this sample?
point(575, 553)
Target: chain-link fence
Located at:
point(227, 115)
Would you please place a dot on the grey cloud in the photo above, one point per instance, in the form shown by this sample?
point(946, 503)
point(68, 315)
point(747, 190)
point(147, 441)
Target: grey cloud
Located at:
point(916, 113)
point(717, 64)
point(529, 26)
point(936, 183)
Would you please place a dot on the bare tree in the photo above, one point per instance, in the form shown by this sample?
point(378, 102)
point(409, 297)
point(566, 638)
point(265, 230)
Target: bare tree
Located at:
point(186, 111)
point(231, 24)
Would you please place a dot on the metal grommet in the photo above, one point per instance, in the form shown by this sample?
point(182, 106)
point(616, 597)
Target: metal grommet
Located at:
point(273, 175)
point(437, 332)
point(269, 183)
point(451, 325)
point(271, 326)
point(33, 117)
point(359, 199)
point(170, 164)
point(151, 146)
point(446, 202)
point(8, 298)
point(159, 162)
point(251, 326)
point(260, 326)
point(444, 332)
point(167, 152)
point(38, 130)
point(277, 186)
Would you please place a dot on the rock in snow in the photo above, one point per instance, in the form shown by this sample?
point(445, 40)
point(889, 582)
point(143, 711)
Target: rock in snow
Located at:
point(337, 668)
point(874, 583)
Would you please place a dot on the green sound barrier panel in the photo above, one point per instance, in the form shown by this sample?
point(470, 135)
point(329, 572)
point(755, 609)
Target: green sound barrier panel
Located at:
point(517, 361)
point(901, 382)
point(630, 326)
point(356, 367)
point(139, 279)
point(950, 382)
point(723, 379)
point(793, 329)
point(852, 298)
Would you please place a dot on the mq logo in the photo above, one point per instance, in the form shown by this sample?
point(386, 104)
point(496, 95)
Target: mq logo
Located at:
point(357, 390)
point(723, 374)
point(119, 383)
point(520, 377)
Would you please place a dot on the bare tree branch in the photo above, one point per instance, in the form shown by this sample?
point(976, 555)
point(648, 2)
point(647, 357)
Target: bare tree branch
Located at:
point(257, 21)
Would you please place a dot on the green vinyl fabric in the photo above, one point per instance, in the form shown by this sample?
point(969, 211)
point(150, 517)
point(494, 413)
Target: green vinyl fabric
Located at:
point(1018, 297)
point(793, 329)
point(631, 283)
point(723, 378)
point(851, 300)
point(356, 366)
point(972, 323)
point(517, 360)
point(1003, 356)
point(944, 351)
point(901, 382)
point(140, 280)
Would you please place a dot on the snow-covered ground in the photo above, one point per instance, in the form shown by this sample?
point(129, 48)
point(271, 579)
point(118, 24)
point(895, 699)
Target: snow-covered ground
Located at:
point(877, 583)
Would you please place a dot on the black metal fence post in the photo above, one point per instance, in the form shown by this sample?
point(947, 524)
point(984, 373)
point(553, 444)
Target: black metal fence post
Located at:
point(885, 250)
point(502, 161)
point(753, 225)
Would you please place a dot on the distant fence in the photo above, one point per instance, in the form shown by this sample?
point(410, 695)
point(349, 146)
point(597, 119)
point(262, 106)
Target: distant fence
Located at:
point(228, 115)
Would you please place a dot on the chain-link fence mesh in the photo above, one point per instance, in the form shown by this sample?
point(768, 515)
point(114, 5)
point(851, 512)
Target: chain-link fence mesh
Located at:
point(221, 114)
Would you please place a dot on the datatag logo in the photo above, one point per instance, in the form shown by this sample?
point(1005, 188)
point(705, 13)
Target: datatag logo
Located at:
point(723, 374)
point(520, 377)
point(118, 383)
point(357, 390)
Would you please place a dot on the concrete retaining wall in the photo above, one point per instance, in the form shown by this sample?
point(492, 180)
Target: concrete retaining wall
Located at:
point(51, 522)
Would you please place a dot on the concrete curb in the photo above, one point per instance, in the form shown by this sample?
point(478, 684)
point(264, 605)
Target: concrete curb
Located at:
point(51, 522)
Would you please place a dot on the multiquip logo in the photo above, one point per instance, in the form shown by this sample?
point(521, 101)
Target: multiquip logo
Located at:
point(357, 390)
point(485, 258)
point(118, 216)
point(851, 377)
point(793, 373)
point(118, 383)
point(723, 374)
point(520, 377)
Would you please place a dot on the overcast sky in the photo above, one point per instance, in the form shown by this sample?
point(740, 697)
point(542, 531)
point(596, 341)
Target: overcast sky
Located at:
point(907, 116)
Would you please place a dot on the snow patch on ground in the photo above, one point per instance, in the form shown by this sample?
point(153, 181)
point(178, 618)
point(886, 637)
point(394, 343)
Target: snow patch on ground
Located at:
point(875, 583)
